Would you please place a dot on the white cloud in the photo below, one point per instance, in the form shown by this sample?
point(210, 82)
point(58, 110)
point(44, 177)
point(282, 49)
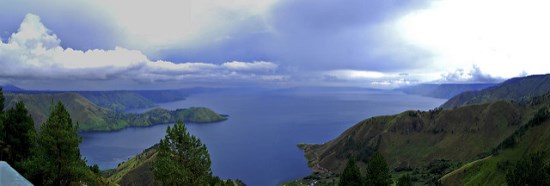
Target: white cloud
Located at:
point(502, 37)
point(473, 75)
point(356, 74)
point(34, 53)
point(253, 66)
point(393, 83)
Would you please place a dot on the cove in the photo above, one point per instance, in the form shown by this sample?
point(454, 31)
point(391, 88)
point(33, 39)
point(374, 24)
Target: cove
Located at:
point(257, 144)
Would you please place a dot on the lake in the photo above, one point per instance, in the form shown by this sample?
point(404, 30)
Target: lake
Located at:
point(257, 144)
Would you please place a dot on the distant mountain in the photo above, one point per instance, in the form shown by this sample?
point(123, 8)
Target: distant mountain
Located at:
point(431, 144)
point(443, 91)
point(516, 89)
point(91, 117)
point(118, 100)
point(11, 88)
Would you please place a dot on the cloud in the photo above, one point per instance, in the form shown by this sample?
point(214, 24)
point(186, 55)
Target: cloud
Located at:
point(355, 74)
point(33, 52)
point(473, 75)
point(253, 66)
point(503, 38)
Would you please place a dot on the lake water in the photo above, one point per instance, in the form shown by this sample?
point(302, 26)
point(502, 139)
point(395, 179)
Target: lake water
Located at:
point(257, 144)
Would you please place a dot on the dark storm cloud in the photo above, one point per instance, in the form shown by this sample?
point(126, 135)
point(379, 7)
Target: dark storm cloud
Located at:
point(317, 35)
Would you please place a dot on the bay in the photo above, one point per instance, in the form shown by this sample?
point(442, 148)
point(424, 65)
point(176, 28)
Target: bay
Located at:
point(257, 144)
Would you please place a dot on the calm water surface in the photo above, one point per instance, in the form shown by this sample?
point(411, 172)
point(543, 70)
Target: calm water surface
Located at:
point(257, 144)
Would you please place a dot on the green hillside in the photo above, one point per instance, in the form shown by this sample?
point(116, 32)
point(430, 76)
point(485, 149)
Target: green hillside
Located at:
point(91, 117)
point(516, 89)
point(443, 91)
point(118, 100)
point(82, 110)
point(428, 144)
point(137, 170)
point(530, 138)
point(132, 99)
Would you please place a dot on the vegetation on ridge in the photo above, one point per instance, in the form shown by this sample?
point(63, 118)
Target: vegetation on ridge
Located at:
point(440, 143)
point(93, 118)
point(520, 89)
point(50, 156)
point(179, 159)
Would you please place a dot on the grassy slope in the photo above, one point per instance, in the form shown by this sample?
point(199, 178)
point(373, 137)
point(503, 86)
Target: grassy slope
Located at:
point(90, 117)
point(81, 110)
point(486, 171)
point(517, 89)
point(414, 139)
point(137, 170)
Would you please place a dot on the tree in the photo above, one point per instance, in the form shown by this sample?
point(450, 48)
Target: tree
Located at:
point(530, 170)
point(3, 147)
point(2, 100)
point(405, 180)
point(182, 159)
point(18, 133)
point(55, 158)
point(377, 171)
point(351, 175)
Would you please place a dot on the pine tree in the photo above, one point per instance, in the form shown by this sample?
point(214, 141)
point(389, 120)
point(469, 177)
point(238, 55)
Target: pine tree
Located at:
point(182, 159)
point(378, 173)
point(18, 133)
point(56, 157)
point(351, 175)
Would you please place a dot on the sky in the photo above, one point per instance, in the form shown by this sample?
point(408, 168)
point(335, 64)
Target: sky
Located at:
point(113, 45)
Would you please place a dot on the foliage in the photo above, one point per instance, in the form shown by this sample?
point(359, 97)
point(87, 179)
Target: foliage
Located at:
point(515, 89)
point(351, 175)
point(530, 170)
point(18, 131)
point(55, 158)
point(2, 100)
point(94, 168)
point(405, 180)
point(540, 117)
point(94, 118)
point(182, 159)
point(377, 171)
point(3, 149)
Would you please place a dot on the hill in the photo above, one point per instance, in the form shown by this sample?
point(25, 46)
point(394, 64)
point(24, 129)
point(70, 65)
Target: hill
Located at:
point(118, 100)
point(530, 138)
point(137, 170)
point(427, 144)
point(443, 91)
point(80, 109)
point(11, 88)
point(90, 117)
point(516, 89)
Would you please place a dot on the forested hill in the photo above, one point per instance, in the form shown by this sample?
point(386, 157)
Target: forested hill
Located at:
point(91, 117)
point(516, 89)
point(443, 91)
point(429, 144)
